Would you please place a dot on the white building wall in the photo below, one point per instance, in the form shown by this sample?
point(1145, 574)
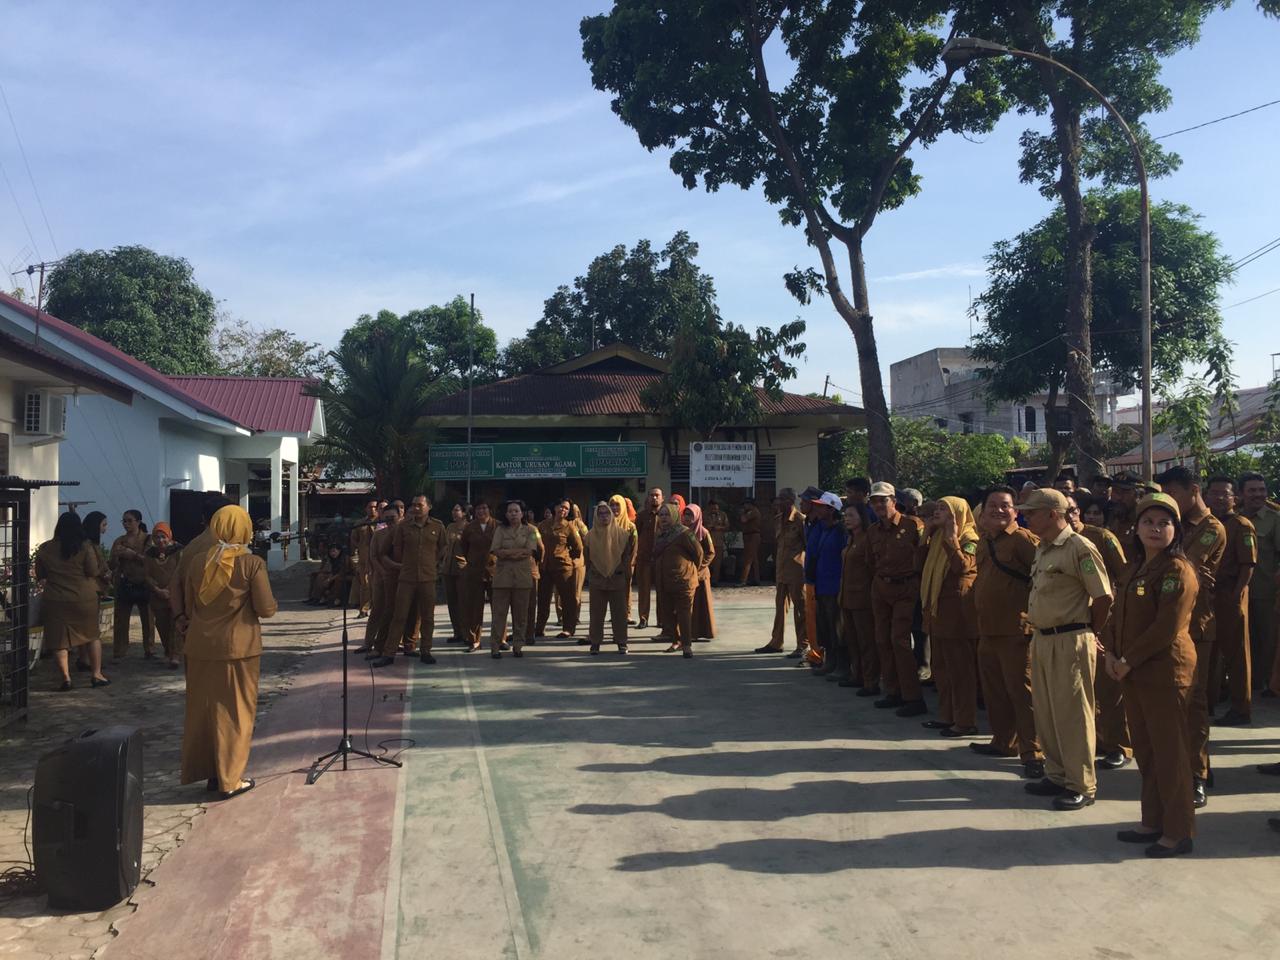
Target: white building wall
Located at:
point(31, 463)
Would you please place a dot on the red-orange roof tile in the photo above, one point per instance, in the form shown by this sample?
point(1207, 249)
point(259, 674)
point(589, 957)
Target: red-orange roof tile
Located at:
point(270, 404)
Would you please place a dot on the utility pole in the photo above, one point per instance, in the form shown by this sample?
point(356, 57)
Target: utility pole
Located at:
point(30, 271)
point(471, 385)
point(825, 385)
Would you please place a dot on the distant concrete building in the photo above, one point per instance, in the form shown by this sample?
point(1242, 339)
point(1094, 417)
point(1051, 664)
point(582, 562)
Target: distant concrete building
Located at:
point(943, 385)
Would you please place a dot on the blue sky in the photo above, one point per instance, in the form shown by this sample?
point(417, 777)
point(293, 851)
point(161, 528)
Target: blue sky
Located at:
point(314, 165)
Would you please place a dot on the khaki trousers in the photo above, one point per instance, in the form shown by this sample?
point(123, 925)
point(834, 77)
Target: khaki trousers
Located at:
point(408, 592)
point(681, 607)
point(170, 639)
point(894, 605)
point(785, 594)
point(1262, 640)
point(1231, 645)
point(363, 593)
point(474, 590)
point(561, 583)
point(1062, 667)
point(1155, 704)
point(515, 600)
point(1005, 666)
point(120, 629)
point(858, 630)
point(644, 586)
point(616, 602)
point(1198, 711)
point(750, 558)
point(1113, 731)
point(453, 600)
point(957, 681)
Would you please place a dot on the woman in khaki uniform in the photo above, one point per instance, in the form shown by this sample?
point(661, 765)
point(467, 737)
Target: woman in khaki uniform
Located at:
point(71, 569)
point(624, 515)
point(510, 551)
point(950, 569)
point(225, 596)
point(535, 575)
point(704, 612)
point(128, 554)
point(158, 569)
point(477, 575)
point(579, 566)
point(677, 560)
point(452, 573)
point(717, 523)
point(856, 623)
point(610, 550)
point(1149, 651)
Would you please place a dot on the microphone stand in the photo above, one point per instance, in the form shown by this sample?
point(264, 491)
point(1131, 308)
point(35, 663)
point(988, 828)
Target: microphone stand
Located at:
point(321, 764)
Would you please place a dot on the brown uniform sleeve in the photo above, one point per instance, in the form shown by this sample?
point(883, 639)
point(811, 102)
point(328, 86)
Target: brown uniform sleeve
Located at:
point(260, 595)
point(42, 571)
point(397, 543)
point(1173, 616)
point(574, 542)
point(708, 551)
point(442, 550)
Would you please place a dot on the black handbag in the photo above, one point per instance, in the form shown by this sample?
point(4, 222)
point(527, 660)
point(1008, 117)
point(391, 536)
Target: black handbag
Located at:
point(132, 592)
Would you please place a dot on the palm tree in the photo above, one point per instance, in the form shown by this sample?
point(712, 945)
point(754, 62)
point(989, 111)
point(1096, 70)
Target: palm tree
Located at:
point(373, 408)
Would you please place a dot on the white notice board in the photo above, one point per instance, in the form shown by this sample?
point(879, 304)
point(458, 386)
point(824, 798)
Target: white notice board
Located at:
point(722, 464)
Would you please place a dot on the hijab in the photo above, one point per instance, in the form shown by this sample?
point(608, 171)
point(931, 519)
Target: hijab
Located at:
point(935, 565)
point(697, 529)
point(606, 542)
point(674, 533)
point(232, 531)
point(625, 517)
point(679, 502)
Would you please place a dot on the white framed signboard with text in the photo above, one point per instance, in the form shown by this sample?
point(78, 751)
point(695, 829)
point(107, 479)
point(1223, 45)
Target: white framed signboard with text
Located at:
point(722, 464)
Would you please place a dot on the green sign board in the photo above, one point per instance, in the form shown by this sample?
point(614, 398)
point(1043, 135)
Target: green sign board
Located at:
point(537, 461)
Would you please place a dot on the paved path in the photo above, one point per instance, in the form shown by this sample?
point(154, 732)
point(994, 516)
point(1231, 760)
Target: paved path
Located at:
point(570, 806)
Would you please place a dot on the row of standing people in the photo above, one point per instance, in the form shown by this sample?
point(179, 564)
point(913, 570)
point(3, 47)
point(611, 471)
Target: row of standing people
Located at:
point(522, 568)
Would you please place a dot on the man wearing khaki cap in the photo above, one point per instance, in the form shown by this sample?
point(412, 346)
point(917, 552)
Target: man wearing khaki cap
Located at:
point(1068, 606)
point(897, 549)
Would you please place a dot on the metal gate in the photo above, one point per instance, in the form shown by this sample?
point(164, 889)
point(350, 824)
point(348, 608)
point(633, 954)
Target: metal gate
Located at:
point(15, 592)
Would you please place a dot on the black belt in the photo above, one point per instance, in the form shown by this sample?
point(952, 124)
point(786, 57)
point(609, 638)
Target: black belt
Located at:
point(1065, 628)
point(899, 579)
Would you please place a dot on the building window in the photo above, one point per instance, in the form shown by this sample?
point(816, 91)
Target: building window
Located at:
point(1029, 420)
point(966, 423)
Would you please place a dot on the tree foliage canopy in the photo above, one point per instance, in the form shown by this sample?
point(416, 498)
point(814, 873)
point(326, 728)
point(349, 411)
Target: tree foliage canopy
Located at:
point(243, 350)
point(144, 303)
point(634, 296)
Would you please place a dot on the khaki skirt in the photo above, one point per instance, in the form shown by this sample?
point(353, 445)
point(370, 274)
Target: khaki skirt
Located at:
point(70, 624)
point(222, 703)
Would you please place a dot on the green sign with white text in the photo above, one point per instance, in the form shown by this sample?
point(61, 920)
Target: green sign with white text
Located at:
point(538, 461)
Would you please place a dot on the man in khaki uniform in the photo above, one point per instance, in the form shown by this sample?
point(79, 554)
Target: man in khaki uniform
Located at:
point(897, 549)
point(1066, 610)
point(749, 520)
point(418, 555)
point(453, 572)
point(1006, 553)
point(382, 584)
point(717, 523)
point(1265, 517)
point(359, 542)
point(1115, 748)
point(646, 530)
point(1124, 498)
point(562, 547)
point(788, 574)
point(1231, 606)
point(1205, 541)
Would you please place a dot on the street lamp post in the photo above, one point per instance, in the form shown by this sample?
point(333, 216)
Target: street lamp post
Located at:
point(961, 51)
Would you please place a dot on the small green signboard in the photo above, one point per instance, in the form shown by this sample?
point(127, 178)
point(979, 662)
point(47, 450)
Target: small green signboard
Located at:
point(530, 461)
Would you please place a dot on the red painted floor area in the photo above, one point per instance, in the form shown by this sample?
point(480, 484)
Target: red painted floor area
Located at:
point(287, 870)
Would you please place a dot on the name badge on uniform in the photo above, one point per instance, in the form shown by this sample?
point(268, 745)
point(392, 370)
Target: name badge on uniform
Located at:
point(1141, 589)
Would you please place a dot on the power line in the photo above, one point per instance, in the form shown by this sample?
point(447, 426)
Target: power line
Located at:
point(21, 216)
point(23, 150)
point(1209, 123)
point(1251, 299)
point(1262, 251)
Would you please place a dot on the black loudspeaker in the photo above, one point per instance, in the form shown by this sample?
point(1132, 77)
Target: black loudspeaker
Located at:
point(87, 819)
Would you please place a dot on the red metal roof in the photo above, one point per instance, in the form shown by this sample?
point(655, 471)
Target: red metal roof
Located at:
point(270, 404)
point(588, 393)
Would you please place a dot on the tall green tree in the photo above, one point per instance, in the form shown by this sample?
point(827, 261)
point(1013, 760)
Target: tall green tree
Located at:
point(828, 142)
point(1025, 332)
point(144, 303)
point(720, 370)
point(243, 350)
point(1118, 47)
point(442, 336)
point(635, 296)
point(373, 410)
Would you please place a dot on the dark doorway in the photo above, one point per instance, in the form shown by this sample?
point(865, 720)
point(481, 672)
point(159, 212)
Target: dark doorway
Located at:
point(184, 514)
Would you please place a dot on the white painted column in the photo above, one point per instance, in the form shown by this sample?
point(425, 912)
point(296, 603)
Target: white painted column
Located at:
point(295, 548)
point(275, 559)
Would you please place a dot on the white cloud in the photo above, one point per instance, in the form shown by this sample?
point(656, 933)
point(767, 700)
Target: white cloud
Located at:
point(544, 191)
point(952, 271)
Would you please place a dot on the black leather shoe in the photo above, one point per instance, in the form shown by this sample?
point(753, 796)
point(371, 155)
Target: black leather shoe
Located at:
point(426, 658)
point(1137, 836)
point(1274, 823)
point(496, 654)
point(767, 649)
point(793, 655)
point(1033, 769)
point(850, 682)
point(871, 691)
point(1112, 761)
point(988, 750)
point(954, 731)
point(1231, 719)
point(361, 651)
point(1044, 787)
point(891, 702)
point(1160, 851)
point(382, 661)
point(1198, 797)
point(935, 724)
point(1072, 801)
point(642, 624)
point(1270, 769)
point(912, 708)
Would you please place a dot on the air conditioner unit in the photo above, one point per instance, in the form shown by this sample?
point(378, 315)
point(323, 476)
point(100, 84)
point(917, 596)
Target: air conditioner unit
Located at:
point(42, 416)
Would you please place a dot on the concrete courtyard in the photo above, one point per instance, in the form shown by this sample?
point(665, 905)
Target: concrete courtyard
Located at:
point(571, 806)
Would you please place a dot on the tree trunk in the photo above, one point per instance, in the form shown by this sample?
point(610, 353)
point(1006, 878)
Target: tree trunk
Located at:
point(1053, 436)
point(881, 460)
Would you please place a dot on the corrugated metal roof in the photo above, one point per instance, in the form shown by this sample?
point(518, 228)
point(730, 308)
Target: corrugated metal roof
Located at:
point(270, 404)
point(586, 393)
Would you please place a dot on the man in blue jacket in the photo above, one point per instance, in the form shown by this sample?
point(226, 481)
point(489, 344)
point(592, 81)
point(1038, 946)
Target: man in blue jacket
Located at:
point(822, 561)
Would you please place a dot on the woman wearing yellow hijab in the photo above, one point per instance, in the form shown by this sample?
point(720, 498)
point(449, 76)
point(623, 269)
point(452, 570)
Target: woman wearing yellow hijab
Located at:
point(949, 615)
point(227, 593)
point(624, 514)
point(610, 554)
